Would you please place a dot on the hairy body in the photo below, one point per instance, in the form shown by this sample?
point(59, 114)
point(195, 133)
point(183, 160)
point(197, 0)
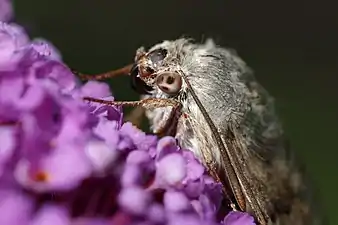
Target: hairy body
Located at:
point(243, 113)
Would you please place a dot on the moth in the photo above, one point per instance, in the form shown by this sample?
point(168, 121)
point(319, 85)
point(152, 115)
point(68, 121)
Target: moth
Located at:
point(208, 98)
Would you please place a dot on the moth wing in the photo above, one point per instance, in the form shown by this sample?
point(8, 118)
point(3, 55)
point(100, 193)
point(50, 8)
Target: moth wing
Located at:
point(252, 187)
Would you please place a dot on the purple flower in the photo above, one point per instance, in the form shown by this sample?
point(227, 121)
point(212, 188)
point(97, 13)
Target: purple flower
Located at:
point(7, 145)
point(165, 146)
point(52, 215)
point(6, 10)
point(187, 219)
point(46, 48)
point(156, 213)
point(133, 139)
point(100, 155)
point(171, 169)
point(135, 200)
point(139, 169)
point(176, 201)
point(67, 161)
point(54, 171)
point(16, 208)
point(12, 38)
point(238, 218)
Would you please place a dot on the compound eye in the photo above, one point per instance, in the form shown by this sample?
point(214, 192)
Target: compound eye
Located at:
point(157, 55)
point(169, 82)
point(137, 84)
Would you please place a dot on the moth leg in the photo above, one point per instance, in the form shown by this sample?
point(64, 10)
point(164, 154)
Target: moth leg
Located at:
point(170, 125)
point(102, 76)
point(136, 116)
point(148, 103)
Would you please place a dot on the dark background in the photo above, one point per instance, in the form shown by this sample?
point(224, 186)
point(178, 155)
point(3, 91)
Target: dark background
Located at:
point(291, 45)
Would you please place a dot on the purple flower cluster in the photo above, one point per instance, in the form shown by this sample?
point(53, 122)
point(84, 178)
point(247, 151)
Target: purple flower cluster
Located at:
point(64, 161)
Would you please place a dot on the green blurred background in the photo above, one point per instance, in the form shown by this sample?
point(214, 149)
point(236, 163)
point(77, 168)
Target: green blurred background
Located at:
point(291, 45)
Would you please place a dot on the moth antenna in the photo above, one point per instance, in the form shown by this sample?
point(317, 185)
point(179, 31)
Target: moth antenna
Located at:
point(102, 76)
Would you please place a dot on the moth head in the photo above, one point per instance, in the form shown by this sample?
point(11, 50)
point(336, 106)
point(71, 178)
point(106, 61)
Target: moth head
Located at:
point(155, 69)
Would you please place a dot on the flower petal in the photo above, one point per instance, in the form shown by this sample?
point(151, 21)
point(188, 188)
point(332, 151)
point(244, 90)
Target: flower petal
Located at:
point(52, 215)
point(238, 218)
point(171, 169)
point(15, 208)
point(135, 200)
